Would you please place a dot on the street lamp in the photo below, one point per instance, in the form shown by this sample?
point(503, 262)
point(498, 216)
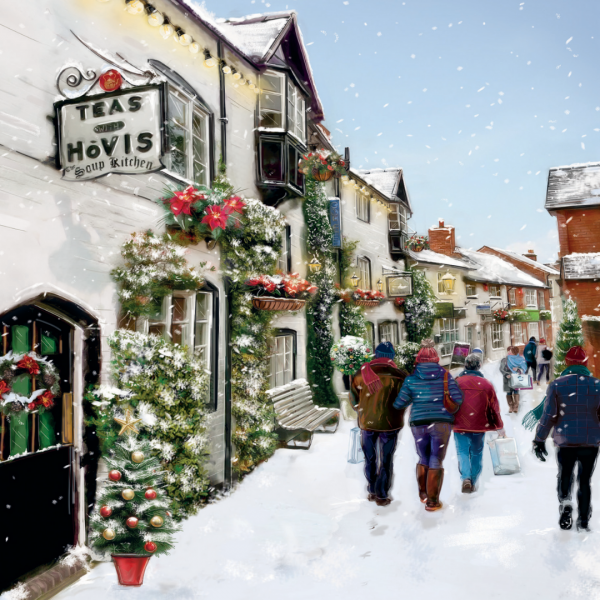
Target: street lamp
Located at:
point(314, 265)
point(380, 285)
point(355, 280)
point(449, 281)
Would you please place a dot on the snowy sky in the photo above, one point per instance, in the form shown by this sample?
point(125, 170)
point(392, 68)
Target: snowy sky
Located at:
point(475, 99)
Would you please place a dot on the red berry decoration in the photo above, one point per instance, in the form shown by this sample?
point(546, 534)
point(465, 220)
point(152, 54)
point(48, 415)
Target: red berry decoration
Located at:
point(132, 522)
point(114, 475)
point(150, 547)
point(150, 494)
point(106, 511)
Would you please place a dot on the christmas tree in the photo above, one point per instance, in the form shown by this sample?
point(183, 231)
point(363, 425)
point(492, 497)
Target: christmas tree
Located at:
point(133, 513)
point(570, 333)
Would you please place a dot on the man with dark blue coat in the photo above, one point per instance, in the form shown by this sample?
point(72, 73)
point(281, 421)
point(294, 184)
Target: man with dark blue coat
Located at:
point(572, 407)
point(529, 354)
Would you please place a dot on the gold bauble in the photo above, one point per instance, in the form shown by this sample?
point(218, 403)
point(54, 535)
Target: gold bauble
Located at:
point(128, 494)
point(137, 457)
point(109, 534)
point(157, 521)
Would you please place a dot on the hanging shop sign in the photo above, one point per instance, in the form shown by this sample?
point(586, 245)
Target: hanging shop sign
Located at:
point(335, 220)
point(483, 309)
point(444, 310)
point(399, 284)
point(116, 132)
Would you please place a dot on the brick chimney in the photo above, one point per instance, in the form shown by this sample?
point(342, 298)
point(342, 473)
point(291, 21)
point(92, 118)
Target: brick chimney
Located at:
point(530, 254)
point(441, 239)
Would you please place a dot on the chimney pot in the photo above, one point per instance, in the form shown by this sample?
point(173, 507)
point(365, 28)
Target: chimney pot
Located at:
point(530, 251)
point(441, 223)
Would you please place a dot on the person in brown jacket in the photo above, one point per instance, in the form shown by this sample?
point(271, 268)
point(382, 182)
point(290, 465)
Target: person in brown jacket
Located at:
point(374, 389)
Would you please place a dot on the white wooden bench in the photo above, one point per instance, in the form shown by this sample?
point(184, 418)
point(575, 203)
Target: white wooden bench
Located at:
point(297, 416)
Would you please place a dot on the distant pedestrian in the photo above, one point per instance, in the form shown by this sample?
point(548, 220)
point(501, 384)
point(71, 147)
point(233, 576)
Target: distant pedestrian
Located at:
point(529, 353)
point(571, 410)
point(512, 363)
point(479, 412)
point(430, 421)
point(544, 356)
point(374, 389)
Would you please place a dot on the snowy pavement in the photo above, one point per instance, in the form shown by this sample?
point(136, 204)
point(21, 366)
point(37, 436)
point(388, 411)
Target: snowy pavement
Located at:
point(300, 527)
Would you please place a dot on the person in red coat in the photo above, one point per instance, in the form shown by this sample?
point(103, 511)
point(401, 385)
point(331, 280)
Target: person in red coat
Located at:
point(479, 412)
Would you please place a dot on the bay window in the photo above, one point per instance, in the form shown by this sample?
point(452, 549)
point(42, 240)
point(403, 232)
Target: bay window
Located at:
point(296, 112)
point(271, 101)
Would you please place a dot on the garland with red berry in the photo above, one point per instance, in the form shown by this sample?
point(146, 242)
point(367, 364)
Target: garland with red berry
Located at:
point(13, 367)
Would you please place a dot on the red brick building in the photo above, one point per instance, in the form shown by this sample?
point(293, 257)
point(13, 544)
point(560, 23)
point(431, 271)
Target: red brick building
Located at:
point(573, 197)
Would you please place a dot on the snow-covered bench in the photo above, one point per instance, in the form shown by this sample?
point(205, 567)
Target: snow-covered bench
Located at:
point(297, 416)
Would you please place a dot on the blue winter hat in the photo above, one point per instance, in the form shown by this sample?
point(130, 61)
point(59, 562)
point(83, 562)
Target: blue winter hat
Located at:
point(385, 350)
point(477, 351)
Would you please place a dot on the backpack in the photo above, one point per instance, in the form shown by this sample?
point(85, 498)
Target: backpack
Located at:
point(546, 354)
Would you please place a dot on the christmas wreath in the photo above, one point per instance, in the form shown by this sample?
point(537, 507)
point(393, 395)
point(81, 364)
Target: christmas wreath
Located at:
point(14, 367)
point(322, 165)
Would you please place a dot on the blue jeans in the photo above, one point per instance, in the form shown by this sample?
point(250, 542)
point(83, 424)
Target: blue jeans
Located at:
point(541, 372)
point(379, 477)
point(469, 448)
point(432, 442)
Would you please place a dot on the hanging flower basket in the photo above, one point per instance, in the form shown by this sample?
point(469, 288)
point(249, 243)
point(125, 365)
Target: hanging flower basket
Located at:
point(545, 315)
point(322, 176)
point(417, 243)
point(266, 303)
point(500, 315)
point(322, 165)
point(370, 303)
point(399, 303)
point(130, 568)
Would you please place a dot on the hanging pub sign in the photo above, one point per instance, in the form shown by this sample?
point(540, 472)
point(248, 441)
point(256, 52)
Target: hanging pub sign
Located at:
point(116, 132)
point(399, 284)
point(335, 220)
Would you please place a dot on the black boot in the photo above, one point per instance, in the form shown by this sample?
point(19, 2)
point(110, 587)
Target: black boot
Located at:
point(566, 517)
point(583, 525)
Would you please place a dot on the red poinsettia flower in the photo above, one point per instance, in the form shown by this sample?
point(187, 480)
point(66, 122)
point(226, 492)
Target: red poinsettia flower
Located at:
point(46, 399)
point(216, 216)
point(235, 204)
point(4, 388)
point(30, 364)
point(181, 202)
point(31, 406)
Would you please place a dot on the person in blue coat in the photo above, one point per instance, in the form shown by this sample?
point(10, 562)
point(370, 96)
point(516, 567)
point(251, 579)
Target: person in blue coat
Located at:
point(530, 354)
point(430, 422)
point(571, 409)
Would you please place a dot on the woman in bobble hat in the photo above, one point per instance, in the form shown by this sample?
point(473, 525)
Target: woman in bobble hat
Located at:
point(430, 422)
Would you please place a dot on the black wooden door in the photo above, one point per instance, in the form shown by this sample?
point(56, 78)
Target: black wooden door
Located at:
point(37, 490)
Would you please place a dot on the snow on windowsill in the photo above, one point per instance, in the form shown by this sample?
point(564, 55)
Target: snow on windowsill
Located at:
point(590, 318)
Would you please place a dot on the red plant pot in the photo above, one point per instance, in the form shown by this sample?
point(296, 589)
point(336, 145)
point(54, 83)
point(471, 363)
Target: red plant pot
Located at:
point(130, 568)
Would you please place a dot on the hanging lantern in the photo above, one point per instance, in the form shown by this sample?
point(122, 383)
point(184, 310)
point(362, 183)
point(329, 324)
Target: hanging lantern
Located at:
point(155, 18)
point(134, 7)
point(185, 39)
point(314, 265)
point(166, 30)
point(209, 61)
point(379, 285)
point(194, 47)
point(449, 281)
point(355, 280)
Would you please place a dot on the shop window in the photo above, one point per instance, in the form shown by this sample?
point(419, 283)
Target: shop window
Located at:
point(530, 298)
point(512, 296)
point(497, 336)
point(284, 262)
point(282, 367)
point(362, 207)
point(448, 335)
point(388, 332)
point(364, 271)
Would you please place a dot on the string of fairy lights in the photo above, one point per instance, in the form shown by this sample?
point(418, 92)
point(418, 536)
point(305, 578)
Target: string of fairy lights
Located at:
point(167, 29)
point(346, 180)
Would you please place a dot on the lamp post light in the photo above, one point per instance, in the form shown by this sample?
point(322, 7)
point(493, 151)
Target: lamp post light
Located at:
point(314, 265)
point(355, 280)
point(380, 285)
point(449, 281)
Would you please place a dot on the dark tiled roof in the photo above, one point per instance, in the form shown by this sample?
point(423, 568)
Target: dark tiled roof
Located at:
point(582, 266)
point(577, 185)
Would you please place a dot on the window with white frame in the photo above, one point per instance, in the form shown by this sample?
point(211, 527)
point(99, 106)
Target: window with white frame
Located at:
point(469, 337)
point(398, 217)
point(497, 336)
point(448, 335)
point(296, 112)
point(370, 335)
point(542, 300)
point(188, 129)
point(364, 272)
point(285, 258)
point(534, 330)
point(471, 289)
point(388, 332)
point(494, 291)
point(512, 296)
point(271, 99)
point(530, 298)
point(362, 206)
point(518, 335)
point(441, 284)
point(281, 361)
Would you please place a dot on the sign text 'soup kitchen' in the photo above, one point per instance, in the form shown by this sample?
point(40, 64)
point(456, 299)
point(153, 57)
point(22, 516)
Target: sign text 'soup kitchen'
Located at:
point(117, 132)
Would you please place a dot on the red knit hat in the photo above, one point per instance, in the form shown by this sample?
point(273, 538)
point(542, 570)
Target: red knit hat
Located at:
point(427, 353)
point(576, 356)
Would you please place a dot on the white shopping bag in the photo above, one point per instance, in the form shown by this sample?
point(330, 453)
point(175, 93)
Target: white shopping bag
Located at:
point(355, 451)
point(505, 459)
point(520, 381)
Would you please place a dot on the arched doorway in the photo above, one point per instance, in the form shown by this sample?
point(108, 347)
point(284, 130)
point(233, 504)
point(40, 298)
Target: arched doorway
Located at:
point(41, 482)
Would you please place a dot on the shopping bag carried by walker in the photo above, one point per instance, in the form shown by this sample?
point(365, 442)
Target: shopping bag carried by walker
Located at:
point(355, 451)
point(505, 459)
point(521, 381)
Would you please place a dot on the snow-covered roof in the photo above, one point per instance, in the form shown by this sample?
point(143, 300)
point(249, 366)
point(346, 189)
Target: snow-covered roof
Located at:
point(434, 258)
point(388, 182)
point(492, 269)
point(582, 266)
point(527, 261)
point(575, 185)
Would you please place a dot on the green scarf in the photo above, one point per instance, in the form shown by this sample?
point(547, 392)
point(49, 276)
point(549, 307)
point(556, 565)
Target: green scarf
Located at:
point(531, 419)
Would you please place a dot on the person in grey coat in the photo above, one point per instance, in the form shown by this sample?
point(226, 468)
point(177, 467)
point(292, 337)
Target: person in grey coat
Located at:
point(513, 363)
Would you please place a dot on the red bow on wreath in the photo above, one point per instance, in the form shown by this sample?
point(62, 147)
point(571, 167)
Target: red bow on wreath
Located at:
point(30, 364)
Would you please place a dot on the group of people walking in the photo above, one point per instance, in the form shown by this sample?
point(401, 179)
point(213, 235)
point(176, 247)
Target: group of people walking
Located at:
point(468, 407)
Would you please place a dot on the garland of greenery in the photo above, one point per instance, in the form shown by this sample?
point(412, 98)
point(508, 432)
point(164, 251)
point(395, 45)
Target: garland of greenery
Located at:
point(352, 316)
point(318, 313)
point(419, 309)
point(168, 388)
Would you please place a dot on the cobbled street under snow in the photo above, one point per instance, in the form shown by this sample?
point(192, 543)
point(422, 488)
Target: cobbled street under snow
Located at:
point(300, 527)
